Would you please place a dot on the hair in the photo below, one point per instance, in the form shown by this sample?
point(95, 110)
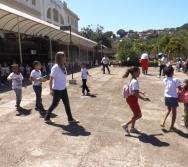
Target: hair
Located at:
point(131, 71)
point(168, 70)
point(36, 63)
point(58, 59)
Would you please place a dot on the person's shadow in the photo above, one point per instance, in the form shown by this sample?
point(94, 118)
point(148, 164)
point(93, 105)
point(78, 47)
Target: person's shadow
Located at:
point(73, 129)
point(179, 132)
point(24, 112)
point(151, 139)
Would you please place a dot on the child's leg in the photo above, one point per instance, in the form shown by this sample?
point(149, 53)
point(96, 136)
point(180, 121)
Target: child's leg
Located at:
point(133, 119)
point(186, 115)
point(87, 89)
point(18, 97)
point(166, 115)
point(83, 86)
point(173, 118)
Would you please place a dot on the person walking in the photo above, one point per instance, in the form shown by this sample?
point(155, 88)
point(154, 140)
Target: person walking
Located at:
point(84, 74)
point(58, 88)
point(163, 62)
point(132, 99)
point(170, 94)
point(144, 63)
point(105, 61)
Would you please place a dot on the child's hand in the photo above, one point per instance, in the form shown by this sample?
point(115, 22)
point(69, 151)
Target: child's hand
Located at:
point(39, 79)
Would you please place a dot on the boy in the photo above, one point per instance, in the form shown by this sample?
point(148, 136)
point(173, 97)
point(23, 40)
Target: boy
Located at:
point(16, 78)
point(84, 74)
point(36, 79)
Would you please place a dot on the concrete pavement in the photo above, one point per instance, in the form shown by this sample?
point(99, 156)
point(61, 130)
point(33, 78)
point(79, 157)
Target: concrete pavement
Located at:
point(98, 140)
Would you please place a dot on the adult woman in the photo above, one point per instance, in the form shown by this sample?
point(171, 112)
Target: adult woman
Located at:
point(58, 88)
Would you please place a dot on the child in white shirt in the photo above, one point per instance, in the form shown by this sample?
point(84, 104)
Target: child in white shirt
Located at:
point(16, 78)
point(84, 74)
point(170, 94)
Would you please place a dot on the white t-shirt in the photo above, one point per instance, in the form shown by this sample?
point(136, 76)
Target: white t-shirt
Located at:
point(84, 73)
point(170, 84)
point(133, 85)
point(105, 60)
point(144, 56)
point(163, 61)
point(16, 84)
point(6, 70)
point(59, 81)
point(36, 74)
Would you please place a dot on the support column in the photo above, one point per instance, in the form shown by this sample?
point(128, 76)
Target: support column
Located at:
point(19, 40)
point(50, 46)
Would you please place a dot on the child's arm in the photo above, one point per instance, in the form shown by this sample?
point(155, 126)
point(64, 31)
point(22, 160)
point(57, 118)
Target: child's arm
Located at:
point(142, 92)
point(137, 94)
point(88, 74)
point(35, 79)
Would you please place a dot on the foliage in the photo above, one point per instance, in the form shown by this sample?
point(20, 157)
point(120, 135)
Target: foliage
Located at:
point(121, 33)
point(97, 35)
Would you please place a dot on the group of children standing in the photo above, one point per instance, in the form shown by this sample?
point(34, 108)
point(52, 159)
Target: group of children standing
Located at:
point(170, 98)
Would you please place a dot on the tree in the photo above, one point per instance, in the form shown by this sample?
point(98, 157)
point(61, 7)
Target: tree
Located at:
point(122, 33)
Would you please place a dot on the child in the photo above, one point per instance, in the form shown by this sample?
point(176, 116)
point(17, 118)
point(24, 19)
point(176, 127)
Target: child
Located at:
point(36, 79)
point(28, 70)
point(6, 71)
point(43, 69)
point(22, 69)
point(16, 77)
point(170, 94)
point(185, 114)
point(132, 99)
point(84, 74)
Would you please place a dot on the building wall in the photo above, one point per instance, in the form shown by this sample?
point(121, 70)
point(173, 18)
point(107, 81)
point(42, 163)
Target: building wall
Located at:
point(51, 11)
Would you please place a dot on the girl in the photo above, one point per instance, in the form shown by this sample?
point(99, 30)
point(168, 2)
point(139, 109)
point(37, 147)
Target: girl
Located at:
point(132, 99)
point(16, 78)
point(170, 94)
point(58, 88)
point(84, 74)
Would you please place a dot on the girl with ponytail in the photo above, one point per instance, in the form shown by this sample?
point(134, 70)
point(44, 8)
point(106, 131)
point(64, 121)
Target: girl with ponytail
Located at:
point(132, 100)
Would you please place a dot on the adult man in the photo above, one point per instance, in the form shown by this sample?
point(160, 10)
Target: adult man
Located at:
point(163, 62)
point(105, 62)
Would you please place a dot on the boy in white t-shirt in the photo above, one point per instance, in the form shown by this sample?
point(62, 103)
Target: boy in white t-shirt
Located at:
point(16, 78)
point(36, 79)
point(170, 94)
point(84, 74)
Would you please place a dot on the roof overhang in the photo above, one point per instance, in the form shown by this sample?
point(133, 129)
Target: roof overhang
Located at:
point(16, 21)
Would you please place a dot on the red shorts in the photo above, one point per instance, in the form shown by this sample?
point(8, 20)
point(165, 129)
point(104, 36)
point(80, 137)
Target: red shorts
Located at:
point(133, 104)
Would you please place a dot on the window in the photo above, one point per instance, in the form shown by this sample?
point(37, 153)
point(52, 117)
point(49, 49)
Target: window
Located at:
point(62, 20)
point(56, 15)
point(34, 2)
point(49, 13)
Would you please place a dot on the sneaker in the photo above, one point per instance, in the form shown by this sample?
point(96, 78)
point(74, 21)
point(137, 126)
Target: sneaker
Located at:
point(125, 127)
point(162, 124)
point(18, 108)
point(172, 129)
point(134, 130)
point(182, 124)
point(49, 121)
point(83, 94)
point(74, 121)
point(158, 76)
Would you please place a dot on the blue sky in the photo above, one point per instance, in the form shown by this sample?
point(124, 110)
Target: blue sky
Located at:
point(135, 15)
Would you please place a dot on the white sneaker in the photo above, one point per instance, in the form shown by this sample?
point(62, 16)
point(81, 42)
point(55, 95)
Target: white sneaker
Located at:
point(158, 76)
point(125, 127)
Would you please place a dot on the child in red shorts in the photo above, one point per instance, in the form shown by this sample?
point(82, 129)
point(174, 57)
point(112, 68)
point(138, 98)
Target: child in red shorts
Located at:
point(132, 99)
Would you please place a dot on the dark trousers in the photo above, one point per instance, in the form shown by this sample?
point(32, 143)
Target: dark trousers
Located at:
point(105, 65)
point(161, 69)
point(38, 92)
point(63, 95)
point(84, 86)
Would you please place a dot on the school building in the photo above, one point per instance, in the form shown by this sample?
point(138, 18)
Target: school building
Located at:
point(30, 30)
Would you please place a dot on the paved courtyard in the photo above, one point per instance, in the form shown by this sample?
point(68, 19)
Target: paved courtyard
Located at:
point(98, 140)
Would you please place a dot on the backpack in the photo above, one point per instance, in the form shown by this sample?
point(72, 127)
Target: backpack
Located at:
point(125, 92)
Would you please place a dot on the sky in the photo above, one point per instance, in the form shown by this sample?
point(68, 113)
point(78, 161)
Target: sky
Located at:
point(137, 15)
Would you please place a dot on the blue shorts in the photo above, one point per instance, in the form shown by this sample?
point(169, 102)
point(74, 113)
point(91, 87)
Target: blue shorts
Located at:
point(171, 102)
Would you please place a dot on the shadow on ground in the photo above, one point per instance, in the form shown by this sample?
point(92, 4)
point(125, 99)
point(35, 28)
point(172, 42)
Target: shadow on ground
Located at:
point(73, 129)
point(24, 112)
point(151, 139)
